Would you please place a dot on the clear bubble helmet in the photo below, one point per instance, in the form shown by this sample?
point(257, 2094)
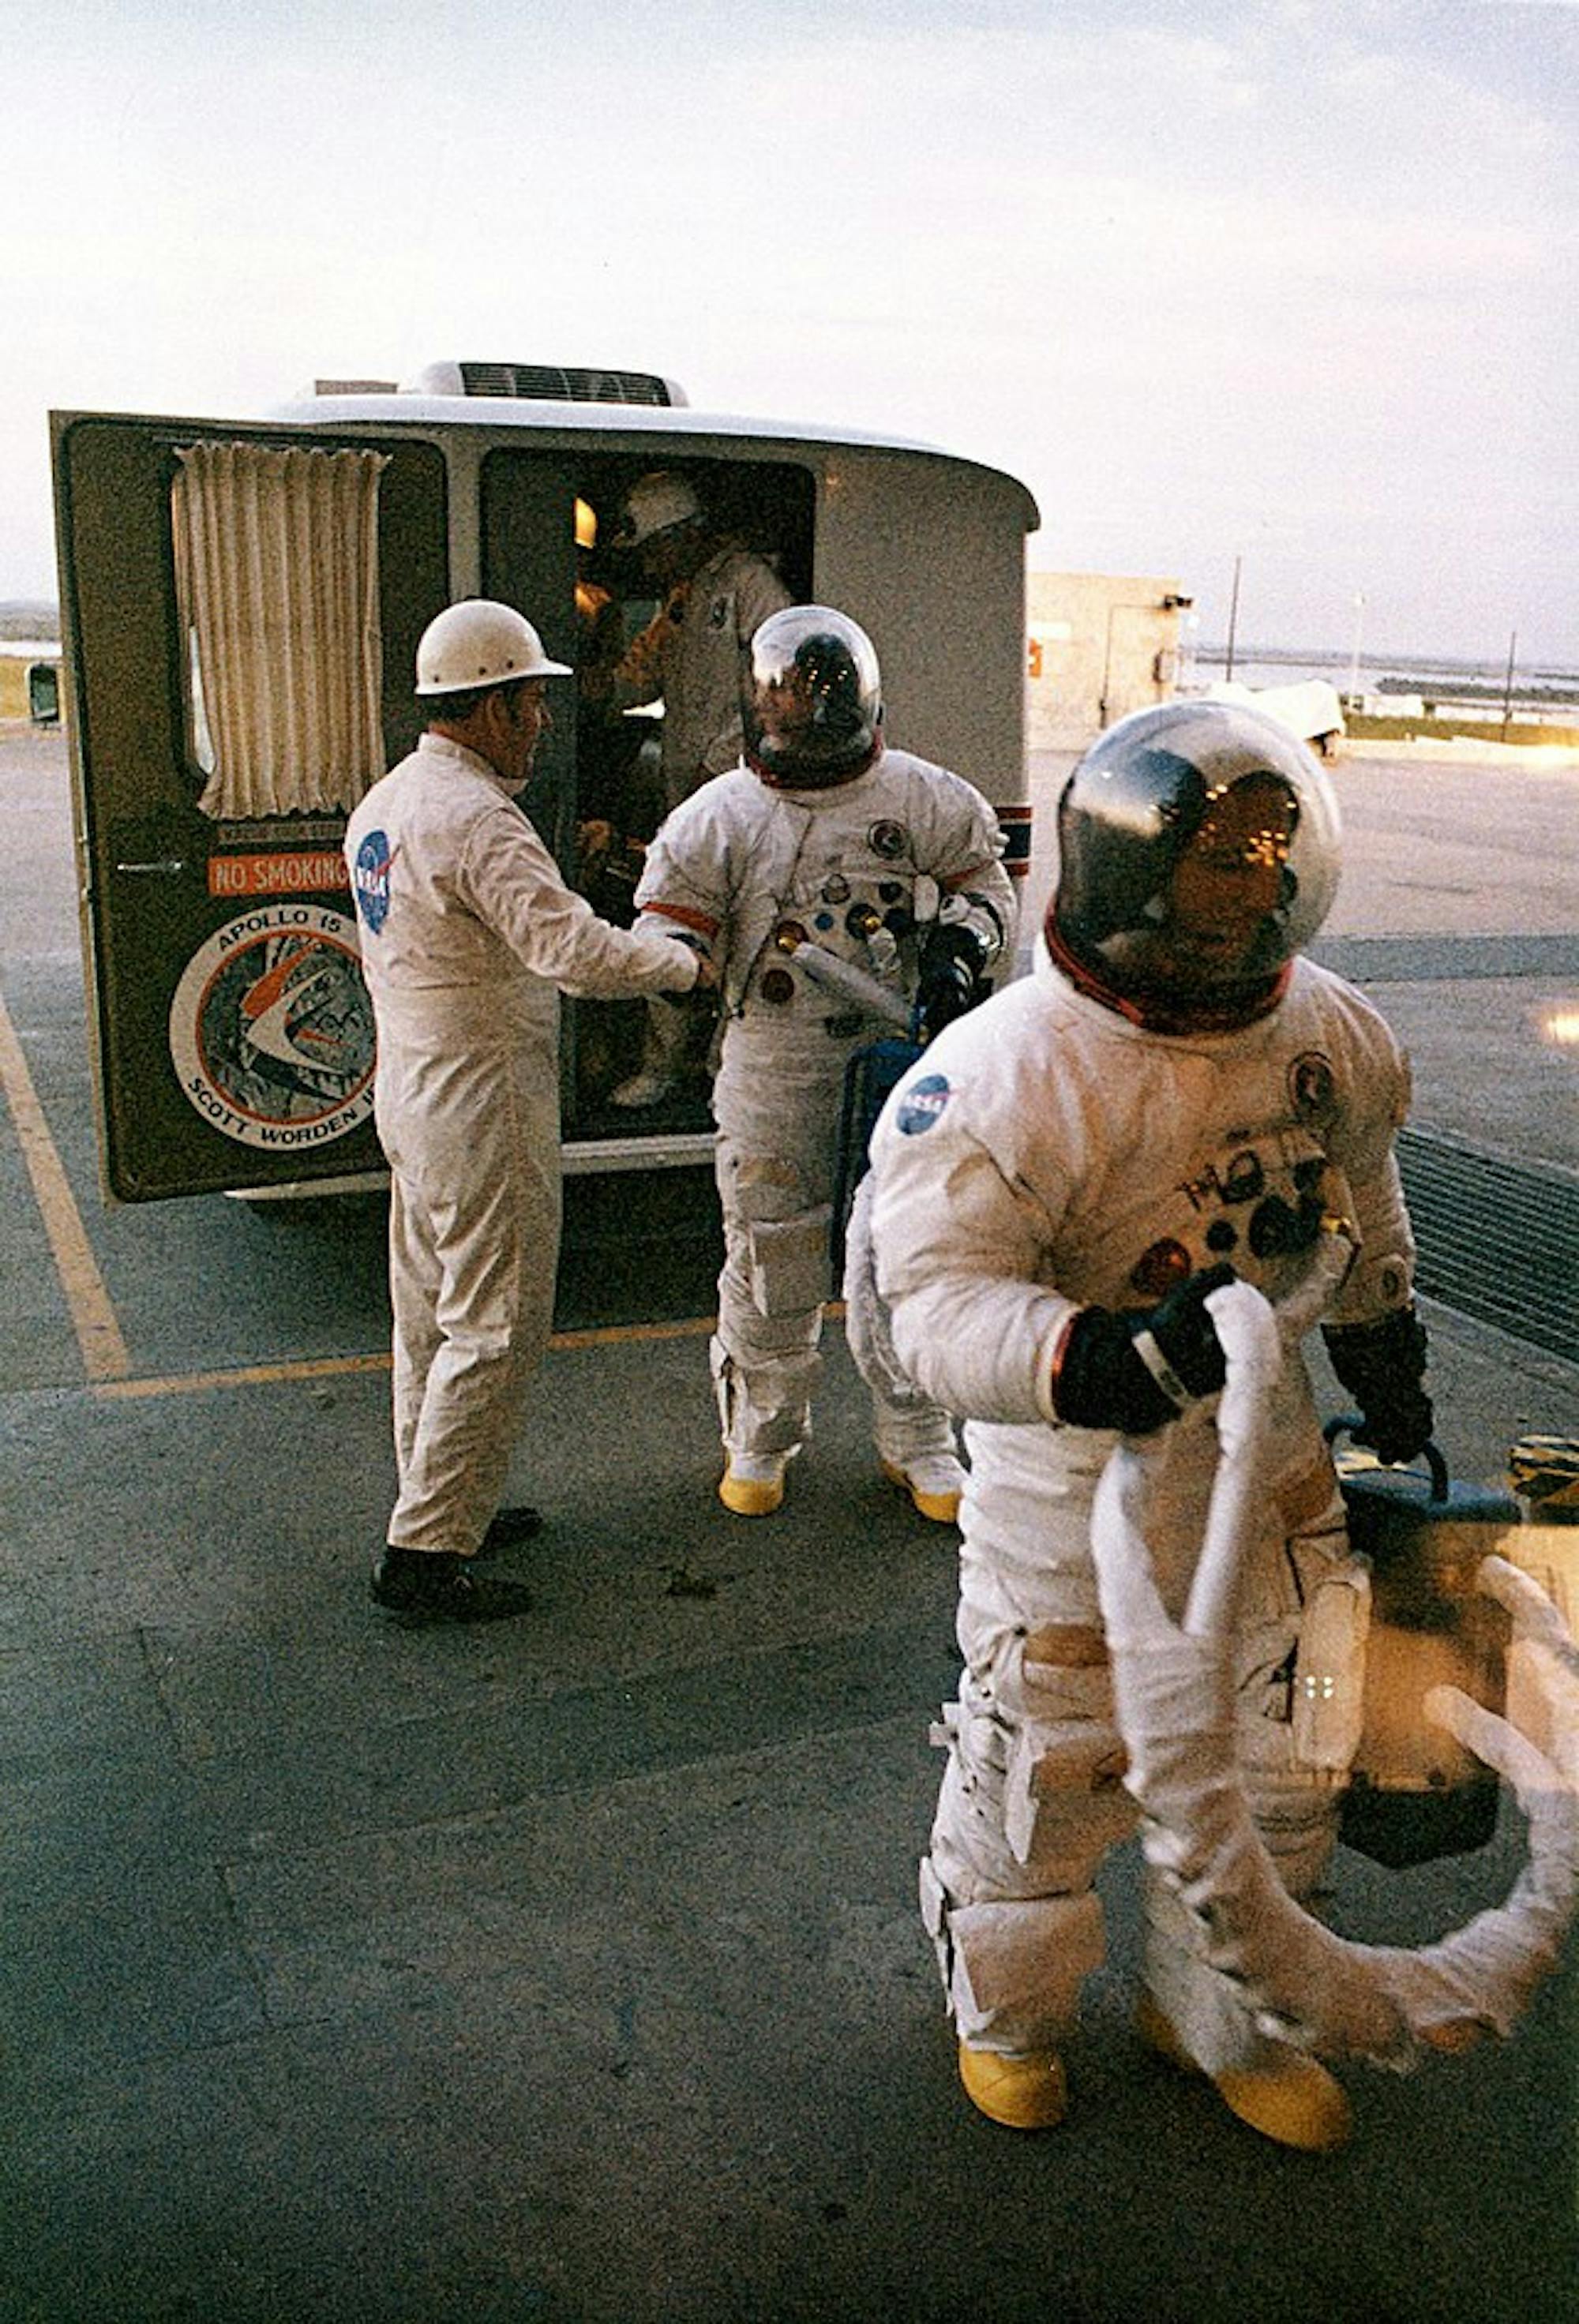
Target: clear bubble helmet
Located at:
point(1198, 851)
point(812, 698)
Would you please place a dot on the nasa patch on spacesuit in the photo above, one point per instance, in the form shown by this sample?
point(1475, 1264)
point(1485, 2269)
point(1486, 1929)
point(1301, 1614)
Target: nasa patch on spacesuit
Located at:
point(920, 1105)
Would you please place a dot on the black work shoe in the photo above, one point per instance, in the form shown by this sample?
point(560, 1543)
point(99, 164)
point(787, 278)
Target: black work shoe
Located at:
point(435, 1586)
point(509, 1528)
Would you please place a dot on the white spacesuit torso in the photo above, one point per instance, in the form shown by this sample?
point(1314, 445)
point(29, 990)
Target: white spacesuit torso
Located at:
point(1047, 1153)
point(863, 869)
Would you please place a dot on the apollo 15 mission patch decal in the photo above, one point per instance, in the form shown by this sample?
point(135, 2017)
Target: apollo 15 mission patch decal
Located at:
point(271, 1028)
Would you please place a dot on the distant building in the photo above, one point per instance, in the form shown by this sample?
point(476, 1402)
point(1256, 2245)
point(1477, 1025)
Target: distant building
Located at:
point(1098, 646)
point(30, 679)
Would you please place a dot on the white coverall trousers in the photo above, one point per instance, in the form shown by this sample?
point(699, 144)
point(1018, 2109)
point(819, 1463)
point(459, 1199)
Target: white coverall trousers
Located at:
point(1033, 1795)
point(778, 1105)
point(475, 1208)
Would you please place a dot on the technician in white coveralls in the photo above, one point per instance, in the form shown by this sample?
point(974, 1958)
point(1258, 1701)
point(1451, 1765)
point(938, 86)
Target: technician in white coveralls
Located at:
point(467, 932)
point(825, 851)
point(1058, 1186)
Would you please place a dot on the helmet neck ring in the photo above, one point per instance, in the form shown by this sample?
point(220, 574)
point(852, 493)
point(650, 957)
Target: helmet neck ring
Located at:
point(1221, 1011)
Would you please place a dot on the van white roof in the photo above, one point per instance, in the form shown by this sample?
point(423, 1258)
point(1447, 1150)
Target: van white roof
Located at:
point(402, 408)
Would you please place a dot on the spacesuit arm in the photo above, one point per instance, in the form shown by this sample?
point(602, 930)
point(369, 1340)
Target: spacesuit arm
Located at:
point(758, 593)
point(755, 591)
point(964, 855)
point(1361, 1143)
point(508, 878)
point(638, 676)
point(1375, 1340)
point(687, 884)
point(958, 1249)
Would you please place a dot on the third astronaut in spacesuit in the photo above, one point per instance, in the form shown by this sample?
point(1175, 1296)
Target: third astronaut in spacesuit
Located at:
point(824, 850)
point(1057, 1188)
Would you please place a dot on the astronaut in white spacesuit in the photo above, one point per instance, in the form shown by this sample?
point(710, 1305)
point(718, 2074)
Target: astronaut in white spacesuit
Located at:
point(468, 933)
point(1057, 1187)
point(835, 881)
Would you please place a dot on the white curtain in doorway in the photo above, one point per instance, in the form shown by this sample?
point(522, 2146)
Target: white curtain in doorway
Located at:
point(276, 556)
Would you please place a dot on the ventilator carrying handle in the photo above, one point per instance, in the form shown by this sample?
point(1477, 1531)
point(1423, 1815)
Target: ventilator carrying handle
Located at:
point(1345, 1423)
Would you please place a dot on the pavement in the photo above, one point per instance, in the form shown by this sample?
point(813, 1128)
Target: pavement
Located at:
point(569, 1969)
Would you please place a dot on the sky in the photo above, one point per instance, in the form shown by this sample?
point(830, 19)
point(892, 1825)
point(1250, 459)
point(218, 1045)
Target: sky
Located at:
point(1284, 291)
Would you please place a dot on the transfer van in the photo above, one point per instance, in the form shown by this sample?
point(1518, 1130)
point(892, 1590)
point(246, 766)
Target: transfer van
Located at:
point(241, 603)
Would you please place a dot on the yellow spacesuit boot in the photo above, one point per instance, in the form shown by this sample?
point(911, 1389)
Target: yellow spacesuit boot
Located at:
point(1289, 2098)
point(753, 1489)
point(934, 1483)
point(1022, 2093)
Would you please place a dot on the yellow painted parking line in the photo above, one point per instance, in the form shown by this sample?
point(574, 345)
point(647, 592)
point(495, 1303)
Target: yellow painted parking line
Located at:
point(244, 1375)
point(605, 1335)
point(92, 1318)
point(306, 1367)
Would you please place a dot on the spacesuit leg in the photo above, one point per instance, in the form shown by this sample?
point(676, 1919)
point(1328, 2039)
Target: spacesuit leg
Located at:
point(765, 1352)
point(1028, 1808)
point(1302, 1685)
point(1032, 1800)
point(1032, 1796)
point(496, 1246)
point(1300, 1681)
point(914, 1437)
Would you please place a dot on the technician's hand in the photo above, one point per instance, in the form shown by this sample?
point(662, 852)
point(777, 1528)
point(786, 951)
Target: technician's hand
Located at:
point(706, 977)
point(1133, 1370)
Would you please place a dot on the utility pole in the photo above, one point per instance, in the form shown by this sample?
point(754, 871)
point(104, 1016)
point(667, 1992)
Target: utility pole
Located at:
point(1507, 685)
point(1233, 619)
point(1354, 657)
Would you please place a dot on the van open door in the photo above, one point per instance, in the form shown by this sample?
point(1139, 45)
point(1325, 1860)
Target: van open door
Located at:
point(240, 607)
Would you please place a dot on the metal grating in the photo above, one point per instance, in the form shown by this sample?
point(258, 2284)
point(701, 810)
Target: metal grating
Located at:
point(1497, 1241)
point(1432, 960)
point(553, 384)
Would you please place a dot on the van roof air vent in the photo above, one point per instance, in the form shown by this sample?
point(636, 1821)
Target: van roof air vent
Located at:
point(546, 382)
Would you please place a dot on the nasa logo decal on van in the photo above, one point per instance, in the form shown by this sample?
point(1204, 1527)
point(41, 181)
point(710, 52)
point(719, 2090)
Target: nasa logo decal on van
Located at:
point(271, 1028)
point(374, 860)
point(922, 1104)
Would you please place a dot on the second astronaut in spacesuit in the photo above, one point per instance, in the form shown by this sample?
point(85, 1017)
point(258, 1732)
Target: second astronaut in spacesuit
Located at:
point(1058, 1187)
point(830, 877)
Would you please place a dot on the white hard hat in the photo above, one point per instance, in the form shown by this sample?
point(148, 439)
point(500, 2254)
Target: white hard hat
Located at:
point(480, 642)
point(657, 504)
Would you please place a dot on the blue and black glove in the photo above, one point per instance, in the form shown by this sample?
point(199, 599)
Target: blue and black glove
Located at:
point(1381, 1365)
point(1133, 1370)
